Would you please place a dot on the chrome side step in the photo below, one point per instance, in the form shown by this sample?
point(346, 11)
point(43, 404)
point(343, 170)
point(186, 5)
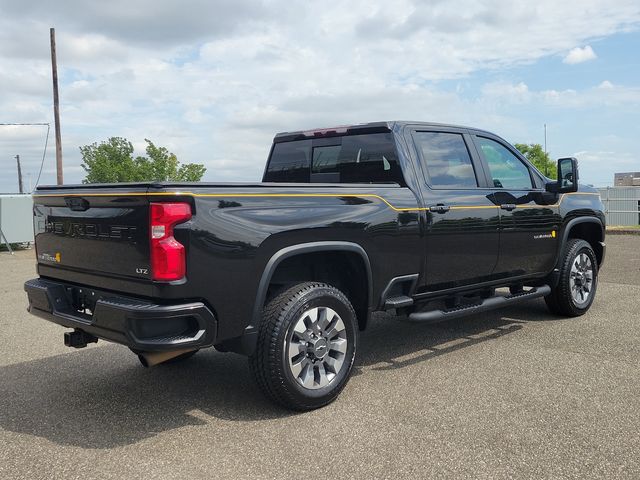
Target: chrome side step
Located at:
point(491, 303)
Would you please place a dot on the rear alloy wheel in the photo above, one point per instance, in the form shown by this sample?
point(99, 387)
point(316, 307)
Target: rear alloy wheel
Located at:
point(306, 346)
point(578, 281)
point(317, 347)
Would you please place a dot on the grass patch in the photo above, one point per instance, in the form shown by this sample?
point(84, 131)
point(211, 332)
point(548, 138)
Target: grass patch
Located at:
point(623, 227)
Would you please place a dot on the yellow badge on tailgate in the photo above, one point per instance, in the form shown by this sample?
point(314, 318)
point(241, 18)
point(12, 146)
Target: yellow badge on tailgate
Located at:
point(57, 258)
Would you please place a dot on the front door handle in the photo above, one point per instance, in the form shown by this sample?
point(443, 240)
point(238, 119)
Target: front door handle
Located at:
point(439, 208)
point(508, 206)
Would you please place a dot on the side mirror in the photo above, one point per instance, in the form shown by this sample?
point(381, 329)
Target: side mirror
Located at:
point(567, 176)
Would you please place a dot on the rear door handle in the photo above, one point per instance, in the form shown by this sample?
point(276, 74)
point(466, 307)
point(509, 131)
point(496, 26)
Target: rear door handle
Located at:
point(439, 208)
point(508, 206)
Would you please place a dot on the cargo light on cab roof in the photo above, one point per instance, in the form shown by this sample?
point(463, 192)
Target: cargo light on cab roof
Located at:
point(168, 262)
point(323, 132)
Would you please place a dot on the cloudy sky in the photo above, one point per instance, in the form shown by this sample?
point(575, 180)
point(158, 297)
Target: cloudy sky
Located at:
point(214, 80)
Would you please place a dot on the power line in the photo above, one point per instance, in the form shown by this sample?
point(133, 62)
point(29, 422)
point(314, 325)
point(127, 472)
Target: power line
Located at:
point(44, 153)
point(46, 142)
point(23, 124)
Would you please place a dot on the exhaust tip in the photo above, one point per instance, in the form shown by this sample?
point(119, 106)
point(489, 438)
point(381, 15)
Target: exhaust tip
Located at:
point(149, 359)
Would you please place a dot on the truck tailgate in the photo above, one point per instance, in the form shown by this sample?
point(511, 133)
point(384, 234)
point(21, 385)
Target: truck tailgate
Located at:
point(102, 234)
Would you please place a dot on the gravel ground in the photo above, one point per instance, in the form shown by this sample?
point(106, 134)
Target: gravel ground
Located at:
point(516, 393)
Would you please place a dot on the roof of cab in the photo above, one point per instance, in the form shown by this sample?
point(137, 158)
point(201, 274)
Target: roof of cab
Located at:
point(359, 129)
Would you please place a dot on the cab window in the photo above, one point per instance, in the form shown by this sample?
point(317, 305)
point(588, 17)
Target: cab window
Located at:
point(326, 159)
point(289, 162)
point(506, 170)
point(368, 158)
point(447, 160)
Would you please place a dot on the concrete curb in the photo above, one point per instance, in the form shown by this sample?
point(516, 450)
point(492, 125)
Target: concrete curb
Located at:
point(623, 231)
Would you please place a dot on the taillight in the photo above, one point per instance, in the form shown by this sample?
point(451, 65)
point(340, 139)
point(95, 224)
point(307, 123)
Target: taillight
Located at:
point(167, 254)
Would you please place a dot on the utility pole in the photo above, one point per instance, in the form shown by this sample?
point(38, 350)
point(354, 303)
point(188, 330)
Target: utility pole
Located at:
point(546, 167)
point(20, 187)
point(56, 107)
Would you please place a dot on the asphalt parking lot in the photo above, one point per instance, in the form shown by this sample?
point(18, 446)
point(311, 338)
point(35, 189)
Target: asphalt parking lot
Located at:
point(516, 393)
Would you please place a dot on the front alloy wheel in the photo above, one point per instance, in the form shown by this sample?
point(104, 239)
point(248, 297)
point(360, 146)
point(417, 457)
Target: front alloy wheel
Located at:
point(581, 279)
point(576, 288)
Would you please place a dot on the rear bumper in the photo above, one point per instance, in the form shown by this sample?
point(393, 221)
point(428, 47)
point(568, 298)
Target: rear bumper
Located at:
point(139, 324)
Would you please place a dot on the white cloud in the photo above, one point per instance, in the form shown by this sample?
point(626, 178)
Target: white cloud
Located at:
point(598, 167)
point(214, 80)
point(604, 94)
point(579, 55)
point(507, 92)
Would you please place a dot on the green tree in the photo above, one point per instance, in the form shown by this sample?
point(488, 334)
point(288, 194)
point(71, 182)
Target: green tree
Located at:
point(109, 162)
point(536, 155)
point(113, 161)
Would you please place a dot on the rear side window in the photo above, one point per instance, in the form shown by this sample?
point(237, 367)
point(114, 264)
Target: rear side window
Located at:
point(447, 160)
point(368, 158)
point(507, 170)
point(289, 162)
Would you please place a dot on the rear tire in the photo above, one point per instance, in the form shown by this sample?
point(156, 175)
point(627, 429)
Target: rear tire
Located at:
point(576, 288)
point(306, 346)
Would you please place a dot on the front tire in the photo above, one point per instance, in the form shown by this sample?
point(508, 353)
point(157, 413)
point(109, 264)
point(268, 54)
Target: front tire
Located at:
point(306, 346)
point(576, 288)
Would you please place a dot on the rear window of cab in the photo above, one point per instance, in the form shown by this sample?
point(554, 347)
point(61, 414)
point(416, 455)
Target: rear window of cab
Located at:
point(369, 158)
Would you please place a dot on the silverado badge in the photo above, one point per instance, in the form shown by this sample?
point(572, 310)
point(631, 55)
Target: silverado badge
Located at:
point(50, 258)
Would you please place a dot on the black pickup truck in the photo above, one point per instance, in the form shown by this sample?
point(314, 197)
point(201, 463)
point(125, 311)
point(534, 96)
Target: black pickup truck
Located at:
point(426, 221)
